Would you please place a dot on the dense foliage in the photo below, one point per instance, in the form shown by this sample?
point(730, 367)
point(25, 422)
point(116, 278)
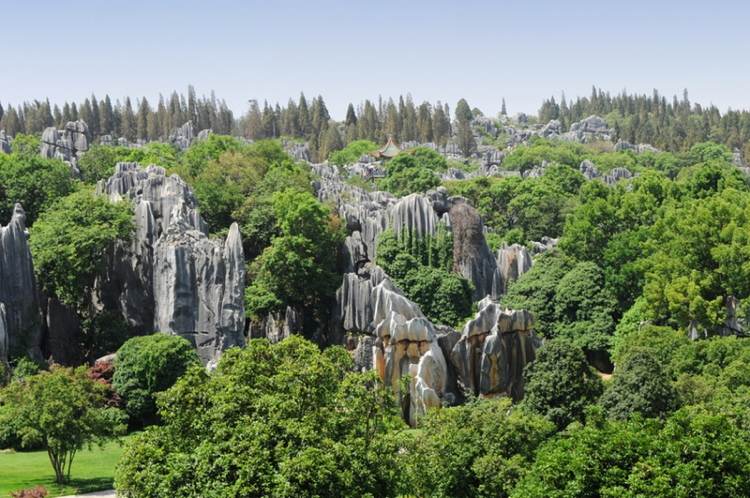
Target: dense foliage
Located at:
point(413, 171)
point(272, 420)
point(422, 268)
point(148, 365)
point(33, 181)
point(352, 152)
point(69, 244)
point(559, 384)
point(479, 449)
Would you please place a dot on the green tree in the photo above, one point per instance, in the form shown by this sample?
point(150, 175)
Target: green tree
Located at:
point(479, 449)
point(69, 243)
point(148, 365)
point(352, 152)
point(640, 385)
point(413, 171)
point(62, 410)
point(33, 181)
point(464, 133)
point(559, 384)
point(272, 420)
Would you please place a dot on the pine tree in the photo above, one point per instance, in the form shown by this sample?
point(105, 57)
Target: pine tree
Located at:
point(503, 109)
point(95, 117)
point(351, 117)
point(331, 142)
point(106, 116)
point(141, 119)
point(304, 125)
point(128, 125)
point(424, 123)
point(464, 133)
point(253, 127)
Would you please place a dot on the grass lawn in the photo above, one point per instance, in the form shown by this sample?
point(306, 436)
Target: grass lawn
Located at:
point(93, 470)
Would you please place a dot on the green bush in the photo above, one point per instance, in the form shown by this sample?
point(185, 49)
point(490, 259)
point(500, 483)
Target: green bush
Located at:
point(352, 152)
point(148, 365)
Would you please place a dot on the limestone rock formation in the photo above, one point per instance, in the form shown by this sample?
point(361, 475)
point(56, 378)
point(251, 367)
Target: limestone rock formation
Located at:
point(171, 277)
point(407, 345)
point(512, 262)
point(66, 144)
point(4, 340)
point(590, 171)
point(199, 287)
point(5, 143)
point(18, 290)
point(182, 136)
point(472, 257)
point(277, 326)
point(493, 350)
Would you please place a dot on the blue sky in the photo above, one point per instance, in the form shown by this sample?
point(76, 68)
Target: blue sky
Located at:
point(351, 50)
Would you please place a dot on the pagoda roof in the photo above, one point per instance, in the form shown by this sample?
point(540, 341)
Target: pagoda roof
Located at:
point(389, 150)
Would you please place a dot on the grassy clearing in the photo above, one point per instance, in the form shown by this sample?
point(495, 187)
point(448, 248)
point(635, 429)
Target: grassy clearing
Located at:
point(93, 470)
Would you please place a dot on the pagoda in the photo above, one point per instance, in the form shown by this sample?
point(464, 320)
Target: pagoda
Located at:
point(388, 151)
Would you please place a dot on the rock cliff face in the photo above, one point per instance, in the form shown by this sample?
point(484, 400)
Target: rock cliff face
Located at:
point(171, 277)
point(66, 144)
point(18, 291)
point(472, 257)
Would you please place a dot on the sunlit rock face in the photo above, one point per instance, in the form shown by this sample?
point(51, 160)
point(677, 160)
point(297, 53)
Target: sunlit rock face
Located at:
point(172, 277)
point(493, 350)
point(407, 345)
point(512, 262)
point(18, 290)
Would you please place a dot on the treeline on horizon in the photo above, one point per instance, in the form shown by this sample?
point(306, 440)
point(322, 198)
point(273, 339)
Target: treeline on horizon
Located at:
point(673, 125)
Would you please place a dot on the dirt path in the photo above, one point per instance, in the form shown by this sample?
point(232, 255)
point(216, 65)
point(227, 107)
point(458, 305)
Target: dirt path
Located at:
point(110, 493)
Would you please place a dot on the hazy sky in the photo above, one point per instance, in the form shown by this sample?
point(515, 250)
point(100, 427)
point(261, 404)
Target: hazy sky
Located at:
point(352, 50)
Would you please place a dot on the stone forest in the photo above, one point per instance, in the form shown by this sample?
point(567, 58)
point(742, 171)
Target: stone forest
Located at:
point(417, 300)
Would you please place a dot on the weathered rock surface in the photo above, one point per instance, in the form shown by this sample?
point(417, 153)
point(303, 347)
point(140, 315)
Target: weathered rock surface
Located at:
point(472, 257)
point(62, 333)
point(512, 262)
point(4, 342)
point(493, 350)
point(199, 287)
point(171, 277)
point(18, 290)
point(66, 144)
point(277, 326)
point(590, 171)
point(5, 143)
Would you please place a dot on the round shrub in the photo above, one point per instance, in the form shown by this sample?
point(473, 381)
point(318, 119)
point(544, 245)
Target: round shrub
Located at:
point(148, 365)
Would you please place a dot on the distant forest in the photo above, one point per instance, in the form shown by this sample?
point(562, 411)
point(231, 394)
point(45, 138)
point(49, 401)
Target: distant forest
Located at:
point(672, 124)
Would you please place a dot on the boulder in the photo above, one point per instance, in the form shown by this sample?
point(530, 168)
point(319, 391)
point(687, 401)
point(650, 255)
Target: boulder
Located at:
point(18, 291)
